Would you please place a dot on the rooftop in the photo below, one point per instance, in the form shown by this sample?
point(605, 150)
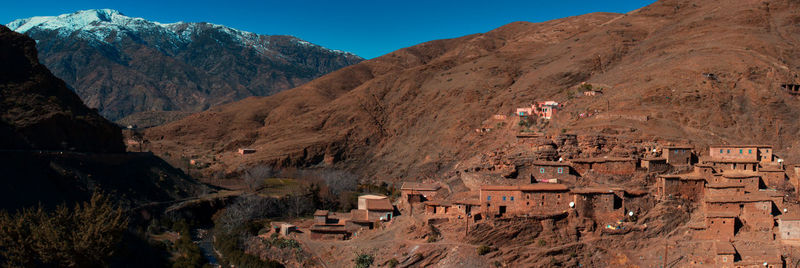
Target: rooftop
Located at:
point(379, 204)
point(528, 187)
point(724, 248)
point(739, 146)
point(739, 174)
point(737, 198)
point(679, 147)
point(418, 186)
point(595, 190)
point(551, 163)
point(601, 159)
point(724, 185)
point(372, 196)
point(722, 214)
point(321, 213)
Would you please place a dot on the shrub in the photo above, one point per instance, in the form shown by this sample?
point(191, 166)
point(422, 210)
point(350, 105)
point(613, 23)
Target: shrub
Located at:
point(484, 249)
point(364, 260)
point(83, 236)
point(392, 263)
point(542, 243)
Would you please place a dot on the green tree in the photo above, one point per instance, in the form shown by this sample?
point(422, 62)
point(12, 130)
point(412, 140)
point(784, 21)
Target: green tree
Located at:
point(84, 236)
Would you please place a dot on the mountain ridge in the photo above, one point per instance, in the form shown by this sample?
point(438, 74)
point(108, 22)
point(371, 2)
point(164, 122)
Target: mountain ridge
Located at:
point(123, 65)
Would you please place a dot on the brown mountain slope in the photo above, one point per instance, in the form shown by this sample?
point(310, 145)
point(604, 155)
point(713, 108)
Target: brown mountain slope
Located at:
point(38, 111)
point(412, 112)
point(54, 149)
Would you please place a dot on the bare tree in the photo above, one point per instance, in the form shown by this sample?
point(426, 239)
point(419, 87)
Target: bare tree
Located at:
point(339, 181)
point(254, 177)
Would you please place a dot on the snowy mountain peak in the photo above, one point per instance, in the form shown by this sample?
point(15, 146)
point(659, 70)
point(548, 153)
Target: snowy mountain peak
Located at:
point(73, 21)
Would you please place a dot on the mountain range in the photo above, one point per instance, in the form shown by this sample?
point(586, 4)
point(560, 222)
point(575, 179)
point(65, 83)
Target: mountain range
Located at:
point(698, 72)
point(123, 65)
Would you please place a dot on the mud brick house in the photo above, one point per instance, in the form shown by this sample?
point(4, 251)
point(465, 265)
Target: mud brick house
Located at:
point(678, 155)
point(754, 210)
point(438, 208)
point(655, 165)
point(607, 166)
point(750, 180)
point(715, 189)
point(602, 204)
point(377, 207)
point(329, 232)
point(688, 186)
point(773, 177)
point(532, 199)
point(789, 226)
point(545, 171)
point(244, 151)
point(418, 191)
point(321, 217)
point(757, 254)
point(546, 109)
point(525, 111)
point(704, 169)
point(721, 165)
point(721, 225)
point(725, 254)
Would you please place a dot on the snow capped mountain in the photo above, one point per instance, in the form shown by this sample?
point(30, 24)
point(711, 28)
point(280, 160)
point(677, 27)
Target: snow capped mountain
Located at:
point(108, 25)
point(124, 65)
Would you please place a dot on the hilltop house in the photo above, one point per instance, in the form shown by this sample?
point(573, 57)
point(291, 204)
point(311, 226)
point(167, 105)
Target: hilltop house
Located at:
point(678, 155)
point(687, 186)
point(532, 199)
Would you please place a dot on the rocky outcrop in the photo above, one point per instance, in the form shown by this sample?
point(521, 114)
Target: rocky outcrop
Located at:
point(38, 111)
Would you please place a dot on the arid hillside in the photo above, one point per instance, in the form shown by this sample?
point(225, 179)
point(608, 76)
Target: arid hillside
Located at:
point(689, 71)
point(54, 149)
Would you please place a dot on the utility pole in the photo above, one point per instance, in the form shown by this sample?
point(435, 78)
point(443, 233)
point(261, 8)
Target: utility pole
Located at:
point(666, 252)
point(466, 223)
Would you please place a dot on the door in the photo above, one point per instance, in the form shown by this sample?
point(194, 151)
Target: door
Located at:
point(502, 210)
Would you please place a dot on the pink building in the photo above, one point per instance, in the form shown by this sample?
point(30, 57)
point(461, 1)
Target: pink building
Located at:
point(544, 109)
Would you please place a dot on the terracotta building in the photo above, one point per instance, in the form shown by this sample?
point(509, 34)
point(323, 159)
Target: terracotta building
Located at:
point(713, 189)
point(689, 186)
point(377, 207)
point(750, 180)
point(546, 171)
point(607, 166)
point(774, 177)
point(721, 225)
point(602, 204)
point(758, 153)
point(533, 199)
point(789, 225)
point(754, 210)
point(655, 165)
point(725, 254)
point(678, 155)
point(422, 191)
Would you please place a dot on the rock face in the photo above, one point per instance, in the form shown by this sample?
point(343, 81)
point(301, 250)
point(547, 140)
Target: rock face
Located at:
point(38, 111)
point(414, 111)
point(54, 149)
point(122, 65)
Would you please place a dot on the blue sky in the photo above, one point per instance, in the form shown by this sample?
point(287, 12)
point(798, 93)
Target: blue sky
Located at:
point(366, 28)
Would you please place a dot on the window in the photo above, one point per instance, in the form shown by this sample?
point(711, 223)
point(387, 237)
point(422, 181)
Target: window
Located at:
point(512, 198)
point(768, 150)
point(729, 150)
point(504, 198)
point(750, 151)
point(541, 170)
point(720, 150)
point(740, 151)
point(521, 113)
point(528, 196)
point(560, 170)
point(725, 259)
point(489, 198)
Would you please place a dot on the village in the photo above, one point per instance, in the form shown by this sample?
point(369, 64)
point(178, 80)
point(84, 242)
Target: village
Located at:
point(741, 193)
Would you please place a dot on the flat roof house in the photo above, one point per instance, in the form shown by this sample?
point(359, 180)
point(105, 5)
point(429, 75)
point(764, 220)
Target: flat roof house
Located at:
point(532, 199)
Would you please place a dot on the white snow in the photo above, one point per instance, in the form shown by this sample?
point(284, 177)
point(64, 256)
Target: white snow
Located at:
point(99, 24)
